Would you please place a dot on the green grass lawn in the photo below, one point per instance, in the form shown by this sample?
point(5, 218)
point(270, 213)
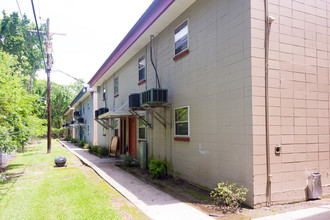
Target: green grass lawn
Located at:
point(35, 189)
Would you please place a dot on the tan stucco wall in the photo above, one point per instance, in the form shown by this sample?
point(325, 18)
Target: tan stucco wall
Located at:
point(299, 96)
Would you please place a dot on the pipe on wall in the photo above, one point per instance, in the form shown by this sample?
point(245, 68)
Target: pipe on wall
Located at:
point(268, 21)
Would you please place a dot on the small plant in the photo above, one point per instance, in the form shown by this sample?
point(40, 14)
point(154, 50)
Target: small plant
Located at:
point(176, 175)
point(156, 168)
point(228, 196)
point(130, 161)
point(81, 143)
point(102, 151)
point(73, 140)
point(86, 146)
point(94, 148)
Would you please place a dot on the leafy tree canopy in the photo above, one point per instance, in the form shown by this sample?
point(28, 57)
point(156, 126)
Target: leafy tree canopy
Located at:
point(16, 107)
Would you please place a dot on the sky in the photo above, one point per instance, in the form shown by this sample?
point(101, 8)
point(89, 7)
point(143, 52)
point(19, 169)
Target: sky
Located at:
point(93, 30)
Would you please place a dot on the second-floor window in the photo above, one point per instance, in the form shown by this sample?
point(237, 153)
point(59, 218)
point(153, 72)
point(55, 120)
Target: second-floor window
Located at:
point(116, 86)
point(142, 68)
point(181, 37)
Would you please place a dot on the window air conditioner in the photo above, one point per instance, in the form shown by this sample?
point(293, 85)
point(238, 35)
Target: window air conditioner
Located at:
point(153, 96)
point(134, 100)
point(76, 114)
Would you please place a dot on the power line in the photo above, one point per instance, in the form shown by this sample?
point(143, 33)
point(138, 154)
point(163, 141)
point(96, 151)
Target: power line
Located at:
point(57, 70)
point(19, 9)
point(35, 19)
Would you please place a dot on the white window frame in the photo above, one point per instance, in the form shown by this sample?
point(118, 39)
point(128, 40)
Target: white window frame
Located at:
point(175, 135)
point(145, 129)
point(175, 34)
point(143, 57)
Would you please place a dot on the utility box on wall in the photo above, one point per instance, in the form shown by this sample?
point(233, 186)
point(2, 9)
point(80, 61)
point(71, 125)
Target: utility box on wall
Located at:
point(143, 155)
point(314, 187)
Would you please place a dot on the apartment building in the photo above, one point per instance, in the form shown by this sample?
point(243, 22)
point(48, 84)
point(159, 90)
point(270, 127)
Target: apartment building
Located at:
point(228, 90)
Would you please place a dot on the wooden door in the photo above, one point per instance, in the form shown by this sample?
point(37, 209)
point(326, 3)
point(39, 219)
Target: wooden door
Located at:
point(123, 133)
point(132, 135)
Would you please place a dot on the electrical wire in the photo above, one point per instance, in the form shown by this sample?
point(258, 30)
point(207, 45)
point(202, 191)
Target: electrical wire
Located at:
point(19, 9)
point(152, 61)
point(57, 70)
point(35, 19)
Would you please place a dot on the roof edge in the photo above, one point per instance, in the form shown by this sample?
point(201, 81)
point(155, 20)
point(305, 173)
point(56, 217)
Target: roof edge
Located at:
point(156, 9)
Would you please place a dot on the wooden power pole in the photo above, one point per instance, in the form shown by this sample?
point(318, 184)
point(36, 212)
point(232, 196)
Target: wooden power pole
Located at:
point(48, 69)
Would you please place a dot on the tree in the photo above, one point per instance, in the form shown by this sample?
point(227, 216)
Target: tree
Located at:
point(17, 107)
point(61, 96)
point(16, 39)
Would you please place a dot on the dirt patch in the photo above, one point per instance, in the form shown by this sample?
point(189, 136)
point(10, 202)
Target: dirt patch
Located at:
point(199, 197)
point(179, 189)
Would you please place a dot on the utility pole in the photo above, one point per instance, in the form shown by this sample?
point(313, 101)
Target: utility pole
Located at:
point(48, 68)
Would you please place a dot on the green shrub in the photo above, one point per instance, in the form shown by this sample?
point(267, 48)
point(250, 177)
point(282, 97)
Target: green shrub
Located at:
point(73, 140)
point(102, 151)
point(156, 168)
point(86, 146)
point(58, 132)
point(130, 161)
point(94, 148)
point(81, 143)
point(228, 196)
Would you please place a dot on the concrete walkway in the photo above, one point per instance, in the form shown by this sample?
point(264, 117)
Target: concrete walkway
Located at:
point(317, 213)
point(153, 202)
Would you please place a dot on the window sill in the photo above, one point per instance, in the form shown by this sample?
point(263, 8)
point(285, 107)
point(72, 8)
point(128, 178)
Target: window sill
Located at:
point(180, 55)
point(115, 96)
point(142, 82)
point(187, 139)
point(142, 141)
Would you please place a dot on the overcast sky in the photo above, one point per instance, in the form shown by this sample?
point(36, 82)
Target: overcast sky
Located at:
point(93, 30)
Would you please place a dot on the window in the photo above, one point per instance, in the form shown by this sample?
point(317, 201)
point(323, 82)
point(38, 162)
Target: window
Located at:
point(182, 121)
point(115, 86)
point(104, 91)
point(181, 37)
point(142, 130)
point(116, 127)
point(142, 69)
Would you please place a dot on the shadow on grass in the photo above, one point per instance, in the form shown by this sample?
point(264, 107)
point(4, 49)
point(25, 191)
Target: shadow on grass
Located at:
point(14, 166)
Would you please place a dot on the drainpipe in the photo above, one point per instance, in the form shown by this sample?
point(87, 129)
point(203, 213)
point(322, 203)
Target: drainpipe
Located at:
point(268, 21)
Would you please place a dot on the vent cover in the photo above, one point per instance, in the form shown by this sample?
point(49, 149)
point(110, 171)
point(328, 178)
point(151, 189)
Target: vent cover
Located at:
point(154, 96)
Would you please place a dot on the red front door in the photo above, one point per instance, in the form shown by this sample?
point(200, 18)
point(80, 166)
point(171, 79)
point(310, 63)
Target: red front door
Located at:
point(132, 136)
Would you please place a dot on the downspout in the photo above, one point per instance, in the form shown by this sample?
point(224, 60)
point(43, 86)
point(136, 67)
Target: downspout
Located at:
point(268, 21)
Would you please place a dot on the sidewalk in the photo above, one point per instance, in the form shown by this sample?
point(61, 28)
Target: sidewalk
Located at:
point(317, 213)
point(153, 202)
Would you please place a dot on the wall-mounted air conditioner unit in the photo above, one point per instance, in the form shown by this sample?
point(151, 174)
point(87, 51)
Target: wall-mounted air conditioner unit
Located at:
point(76, 114)
point(97, 113)
point(153, 96)
point(81, 120)
point(134, 100)
point(103, 110)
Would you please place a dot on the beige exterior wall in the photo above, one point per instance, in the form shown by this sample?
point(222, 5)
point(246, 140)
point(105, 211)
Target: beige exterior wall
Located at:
point(299, 96)
point(214, 80)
